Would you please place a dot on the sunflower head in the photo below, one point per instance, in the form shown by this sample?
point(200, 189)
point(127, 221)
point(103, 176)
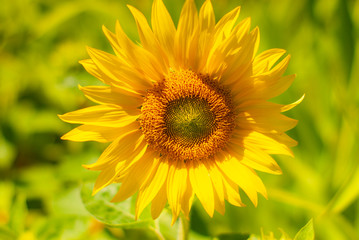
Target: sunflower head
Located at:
point(187, 111)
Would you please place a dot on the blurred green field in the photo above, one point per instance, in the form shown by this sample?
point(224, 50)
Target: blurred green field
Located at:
point(41, 178)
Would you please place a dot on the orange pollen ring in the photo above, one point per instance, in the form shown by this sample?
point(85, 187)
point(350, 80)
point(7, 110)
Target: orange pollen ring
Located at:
point(187, 116)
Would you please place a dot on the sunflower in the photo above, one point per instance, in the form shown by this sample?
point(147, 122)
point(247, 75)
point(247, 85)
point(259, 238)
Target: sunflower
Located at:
point(186, 110)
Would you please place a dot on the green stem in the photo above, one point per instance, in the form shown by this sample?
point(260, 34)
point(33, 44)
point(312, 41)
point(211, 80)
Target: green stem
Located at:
point(183, 228)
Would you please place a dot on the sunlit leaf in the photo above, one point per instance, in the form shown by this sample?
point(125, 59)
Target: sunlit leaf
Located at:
point(64, 227)
point(7, 153)
point(347, 194)
point(306, 233)
point(120, 214)
point(233, 236)
point(6, 233)
point(18, 214)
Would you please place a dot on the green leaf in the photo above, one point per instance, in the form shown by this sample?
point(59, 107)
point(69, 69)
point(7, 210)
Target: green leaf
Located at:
point(195, 236)
point(63, 227)
point(120, 214)
point(347, 194)
point(233, 236)
point(18, 214)
point(6, 233)
point(68, 202)
point(164, 227)
point(7, 153)
point(306, 233)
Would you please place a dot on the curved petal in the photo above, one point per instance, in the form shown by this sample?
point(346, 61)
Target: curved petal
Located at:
point(231, 192)
point(121, 87)
point(265, 61)
point(142, 63)
point(187, 198)
point(288, 107)
point(264, 117)
point(148, 39)
point(159, 202)
point(217, 182)
point(119, 72)
point(266, 85)
point(119, 150)
point(244, 177)
point(283, 138)
point(254, 158)
point(99, 115)
point(206, 17)
point(163, 27)
point(113, 41)
point(176, 187)
point(105, 178)
point(184, 38)
point(151, 186)
point(135, 177)
point(110, 95)
point(245, 138)
point(111, 170)
point(206, 26)
point(202, 186)
point(224, 26)
point(85, 133)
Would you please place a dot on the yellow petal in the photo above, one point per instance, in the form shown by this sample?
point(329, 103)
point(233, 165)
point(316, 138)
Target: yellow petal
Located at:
point(121, 87)
point(113, 41)
point(135, 177)
point(244, 177)
point(125, 164)
point(206, 26)
point(228, 46)
point(254, 158)
point(283, 138)
point(120, 73)
point(120, 149)
point(163, 27)
point(159, 202)
point(176, 187)
point(148, 39)
point(271, 124)
point(231, 192)
point(99, 134)
point(224, 27)
point(261, 141)
point(288, 107)
point(202, 186)
point(187, 26)
point(263, 116)
point(111, 170)
point(187, 199)
point(105, 178)
point(152, 186)
point(91, 68)
point(110, 95)
point(206, 17)
point(256, 38)
point(99, 115)
point(143, 64)
point(217, 182)
point(238, 54)
point(265, 61)
point(266, 85)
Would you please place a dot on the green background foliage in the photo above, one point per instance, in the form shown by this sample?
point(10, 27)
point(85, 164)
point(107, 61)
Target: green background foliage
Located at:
point(45, 191)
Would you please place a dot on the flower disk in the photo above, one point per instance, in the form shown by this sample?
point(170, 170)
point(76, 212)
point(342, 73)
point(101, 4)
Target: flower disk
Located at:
point(187, 117)
point(186, 111)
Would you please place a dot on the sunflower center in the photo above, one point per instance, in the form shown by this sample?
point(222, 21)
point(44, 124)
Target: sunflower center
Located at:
point(189, 120)
point(187, 116)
